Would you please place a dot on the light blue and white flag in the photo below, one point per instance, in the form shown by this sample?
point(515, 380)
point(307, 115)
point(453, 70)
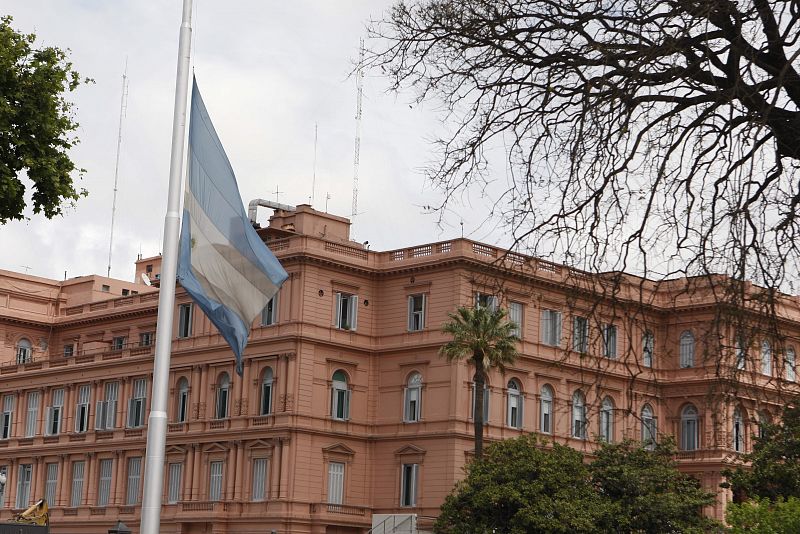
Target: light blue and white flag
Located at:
point(223, 264)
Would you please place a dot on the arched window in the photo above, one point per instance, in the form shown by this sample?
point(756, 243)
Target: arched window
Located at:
point(689, 428)
point(578, 415)
point(738, 431)
point(766, 358)
point(789, 363)
point(340, 397)
point(649, 427)
point(24, 351)
point(266, 391)
point(413, 399)
point(607, 420)
point(648, 349)
point(223, 392)
point(182, 406)
point(546, 410)
point(687, 349)
point(514, 404)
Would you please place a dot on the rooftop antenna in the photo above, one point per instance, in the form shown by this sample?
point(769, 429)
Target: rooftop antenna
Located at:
point(277, 193)
point(360, 86)
point(314, 176)
point(327, 198)
point(123, 105)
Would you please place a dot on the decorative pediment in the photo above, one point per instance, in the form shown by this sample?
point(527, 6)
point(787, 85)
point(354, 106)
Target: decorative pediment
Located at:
point(174, 449)
point(410, 450)
point(338, 452)
point(215, 447)
point(260, 444)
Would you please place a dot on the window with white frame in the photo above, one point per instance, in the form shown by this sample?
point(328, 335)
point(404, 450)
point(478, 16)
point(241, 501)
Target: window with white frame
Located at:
point(137, 403)
point(409, 482)
point(32, 415)
point(134, 480)
point(689, 428)
point(412, 401)
point(174, 482)
point(514, 408)
point(687, 349)
point(789, 363)
point(266, 391)
point(82, 409)
point(485, 402)
point(607, 420)
point(738, 431)
point(741, 353)
point(185, 313)
point(118, 343)
point(416, 312)
point(145, 339)
point(580, 334)
point(335, 483)
point(104, 481)
point(610, 341)
point(24, 351)
point(340, 396)
point(550, 328)
point(223, 392)
point(259, 489)
point(578, 415)
point(25, 472)
point(649, 427)
point(76, 492)
point(7, 416)
point(269, 315)
point(766, 358)
point(69, 350)
point(215, 481)
point(105, 413)
point(54, 413)
point(182, 406)
point(51, 483)
point(546, 410)
point(648, 348)
point(515, 316)
point(346, 316)
point(485, 300)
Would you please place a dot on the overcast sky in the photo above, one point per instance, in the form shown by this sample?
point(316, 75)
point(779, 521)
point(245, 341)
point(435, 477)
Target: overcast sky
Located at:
point(268, 70)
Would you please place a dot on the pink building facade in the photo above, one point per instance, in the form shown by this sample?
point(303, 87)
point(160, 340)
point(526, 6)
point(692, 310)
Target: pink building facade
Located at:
point(345, 409)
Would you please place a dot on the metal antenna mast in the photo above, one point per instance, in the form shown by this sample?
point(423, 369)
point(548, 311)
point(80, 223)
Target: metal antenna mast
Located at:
point(123, 106)
point(360, 85)
point(314, 178)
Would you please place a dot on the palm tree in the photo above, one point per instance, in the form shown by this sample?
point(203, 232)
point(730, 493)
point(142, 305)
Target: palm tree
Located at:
point(485, 339)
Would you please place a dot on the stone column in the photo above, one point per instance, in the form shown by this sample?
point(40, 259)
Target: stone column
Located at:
point(11, 482)
point(35, 472)
point(188, 474)
point(197, 482)
point(230, 471)
point(87, 477)
point(195, 391)
point(275, 471)
point(65, 474)
point(119, 480)
point(241, 473)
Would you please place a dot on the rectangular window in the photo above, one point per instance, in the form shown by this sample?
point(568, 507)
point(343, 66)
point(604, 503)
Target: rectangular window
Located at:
point(76, 494)
point(24, 485)
point(183, 403)
point(175, 482)
point(69, 350)
point(551, 328)
point(105, 415)
point(134, 476)
point(648, 348)
point(51, 483)
point(580, 334)
point(346, 311)
point(8, 415)
point(118, 343)
point(340, 402)
point(215, 483)
point(545, 424)
point(54, 413)
point(515, 316)
point(610, 341)
point(32, 415)
point(408, 484)
point(82, 411)
point(105, 288)
point(269, 315)
point(145, 339)
point(24, 353)
point(136, 404)
point(484, 300)
point(104, 483)
point(335, 483)
point(185, 320)
point(416, 313)
point(259, 479)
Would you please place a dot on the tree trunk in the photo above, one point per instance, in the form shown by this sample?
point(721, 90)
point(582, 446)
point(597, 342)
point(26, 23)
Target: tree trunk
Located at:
point(480, 381)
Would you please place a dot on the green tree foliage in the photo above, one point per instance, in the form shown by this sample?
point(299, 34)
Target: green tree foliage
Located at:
point(525, 485)
point(647, 492)
point(36, 125)
point(760, 516)
point(774, 470)
point(485, 339)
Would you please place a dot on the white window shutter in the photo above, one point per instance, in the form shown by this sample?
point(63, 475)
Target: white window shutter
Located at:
point(48, 421)
point(100, 415)
point(406, 406)
point(347, 404)
point(544, 328)
point(111, 414)
point(353, 312)
point(557, 329)
point(337, 311)
point(410, 313)
point(131, 413)
point(424, 311)
point(493, 303)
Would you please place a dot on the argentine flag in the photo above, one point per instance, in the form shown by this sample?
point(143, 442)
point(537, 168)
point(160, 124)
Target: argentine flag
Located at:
point(223, 264)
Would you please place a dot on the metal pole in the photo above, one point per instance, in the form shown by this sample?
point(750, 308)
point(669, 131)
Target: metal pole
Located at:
point(157, 421)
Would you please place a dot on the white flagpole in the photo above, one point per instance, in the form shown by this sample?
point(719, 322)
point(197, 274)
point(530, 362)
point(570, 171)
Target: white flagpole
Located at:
point(157, 421)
